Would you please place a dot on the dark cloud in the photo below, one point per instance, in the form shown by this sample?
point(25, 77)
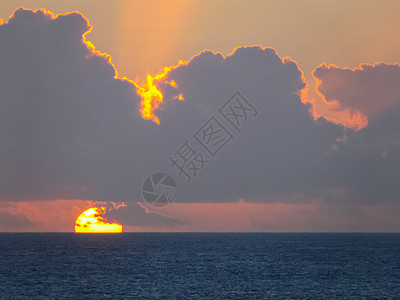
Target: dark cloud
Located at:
point(132, 215)
point(66, 122)
point(275, 155)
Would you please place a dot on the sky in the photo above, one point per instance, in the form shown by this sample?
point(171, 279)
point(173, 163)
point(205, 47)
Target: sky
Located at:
point(270, 116)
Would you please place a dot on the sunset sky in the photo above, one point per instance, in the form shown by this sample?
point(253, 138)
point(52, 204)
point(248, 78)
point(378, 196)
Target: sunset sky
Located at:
point(318, 151)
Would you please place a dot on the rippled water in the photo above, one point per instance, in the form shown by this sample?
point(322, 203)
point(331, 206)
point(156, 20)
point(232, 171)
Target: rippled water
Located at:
point(199, 265)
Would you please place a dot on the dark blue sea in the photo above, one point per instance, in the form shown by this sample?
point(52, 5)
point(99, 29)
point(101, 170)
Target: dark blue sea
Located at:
point(199, 266)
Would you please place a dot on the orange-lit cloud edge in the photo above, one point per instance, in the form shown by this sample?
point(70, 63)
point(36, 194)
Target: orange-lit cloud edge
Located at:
point(347, 117)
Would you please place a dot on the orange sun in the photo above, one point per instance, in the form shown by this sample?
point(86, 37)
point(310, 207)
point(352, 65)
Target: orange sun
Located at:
point(92, 221)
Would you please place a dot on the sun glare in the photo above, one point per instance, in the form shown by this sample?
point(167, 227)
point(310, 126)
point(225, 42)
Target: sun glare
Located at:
point(92, 221)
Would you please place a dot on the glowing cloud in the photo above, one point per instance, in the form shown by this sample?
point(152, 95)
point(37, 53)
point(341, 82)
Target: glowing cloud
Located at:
point(92, 221)
point(152, 97)
point(360, 94)
point(336, 114)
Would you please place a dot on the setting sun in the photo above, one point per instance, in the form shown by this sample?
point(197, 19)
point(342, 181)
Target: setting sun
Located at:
point(92, 221)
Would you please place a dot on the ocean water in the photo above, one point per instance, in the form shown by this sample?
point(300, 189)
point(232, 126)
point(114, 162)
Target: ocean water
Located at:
point(199, 266)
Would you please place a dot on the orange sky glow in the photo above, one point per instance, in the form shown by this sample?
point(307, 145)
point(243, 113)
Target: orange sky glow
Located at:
point(240, 216)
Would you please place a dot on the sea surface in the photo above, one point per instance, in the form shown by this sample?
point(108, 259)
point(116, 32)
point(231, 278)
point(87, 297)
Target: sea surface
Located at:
point(199, 266)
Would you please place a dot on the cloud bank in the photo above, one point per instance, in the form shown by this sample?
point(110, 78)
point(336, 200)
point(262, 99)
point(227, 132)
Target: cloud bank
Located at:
point(71, 128)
